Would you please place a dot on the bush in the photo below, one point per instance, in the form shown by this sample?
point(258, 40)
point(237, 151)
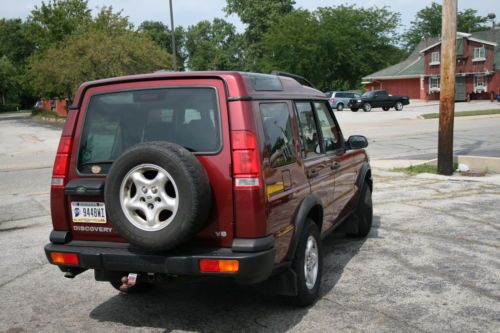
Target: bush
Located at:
point(9, 107)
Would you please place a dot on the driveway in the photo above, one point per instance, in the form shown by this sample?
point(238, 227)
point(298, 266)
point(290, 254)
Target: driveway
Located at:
point(431, 263)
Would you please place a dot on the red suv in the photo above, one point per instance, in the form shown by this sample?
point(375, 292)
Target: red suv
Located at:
point(224, 174)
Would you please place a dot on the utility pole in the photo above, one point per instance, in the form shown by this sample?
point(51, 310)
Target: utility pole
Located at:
point(174, 64)
point(447, 91)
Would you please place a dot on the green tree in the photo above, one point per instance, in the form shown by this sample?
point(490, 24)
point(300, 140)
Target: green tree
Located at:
point(7, 78)
point(162, 35)
point(213, 46)
point(427, 23)
point(259, 16)
point(93, 56)
point(53, 21)
point(14, 41)
point(334, 46)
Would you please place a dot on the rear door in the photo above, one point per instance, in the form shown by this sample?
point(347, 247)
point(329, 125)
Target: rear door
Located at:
point(285, 182)
point(191, 113)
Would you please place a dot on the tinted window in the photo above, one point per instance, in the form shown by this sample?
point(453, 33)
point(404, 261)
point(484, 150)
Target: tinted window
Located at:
point(308, 130)
point(340, 95)
point(368, 94)
point(331, 135)
point(278, 133)
point(116, 121)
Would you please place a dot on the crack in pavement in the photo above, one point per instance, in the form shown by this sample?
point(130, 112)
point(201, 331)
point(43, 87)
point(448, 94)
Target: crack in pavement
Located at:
point(427, 271)
point(370, 309)
point(426, 234)
point(23, 274)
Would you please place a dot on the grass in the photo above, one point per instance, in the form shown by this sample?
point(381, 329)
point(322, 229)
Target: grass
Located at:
point(464, 113)
point(47, 116)
point(421, 168)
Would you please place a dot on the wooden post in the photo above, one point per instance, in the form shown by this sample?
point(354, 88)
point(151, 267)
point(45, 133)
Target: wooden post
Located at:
point(447, 90)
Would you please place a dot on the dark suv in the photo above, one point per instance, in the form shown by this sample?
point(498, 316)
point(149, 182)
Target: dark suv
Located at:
point(224, 174)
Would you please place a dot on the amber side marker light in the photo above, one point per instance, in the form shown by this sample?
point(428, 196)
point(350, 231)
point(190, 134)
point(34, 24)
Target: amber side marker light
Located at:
point(61, 258)
point(219, 266)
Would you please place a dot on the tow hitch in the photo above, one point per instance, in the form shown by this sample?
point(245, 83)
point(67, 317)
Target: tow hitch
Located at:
point(128, 282)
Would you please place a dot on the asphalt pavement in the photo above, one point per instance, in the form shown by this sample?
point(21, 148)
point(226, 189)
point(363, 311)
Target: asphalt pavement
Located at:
point(431, 262)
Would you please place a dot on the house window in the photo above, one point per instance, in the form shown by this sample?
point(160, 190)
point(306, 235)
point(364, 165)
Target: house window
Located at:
point(434, 84)
point(479, 54)
point(480, 84)
point(434, 58)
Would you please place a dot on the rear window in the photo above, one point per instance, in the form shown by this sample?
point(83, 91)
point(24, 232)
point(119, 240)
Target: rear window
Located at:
point(116, 121)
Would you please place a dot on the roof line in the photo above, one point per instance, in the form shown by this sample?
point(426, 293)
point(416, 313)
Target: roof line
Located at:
point(374, 78)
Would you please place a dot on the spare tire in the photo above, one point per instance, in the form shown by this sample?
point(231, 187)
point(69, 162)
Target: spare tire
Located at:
point(157, 195)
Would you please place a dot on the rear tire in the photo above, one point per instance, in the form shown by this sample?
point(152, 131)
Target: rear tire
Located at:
point(364, 214)
point(367, 107)
point(340, 107)
point(308, 265)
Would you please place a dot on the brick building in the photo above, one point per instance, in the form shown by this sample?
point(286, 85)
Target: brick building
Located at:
point(477, 69)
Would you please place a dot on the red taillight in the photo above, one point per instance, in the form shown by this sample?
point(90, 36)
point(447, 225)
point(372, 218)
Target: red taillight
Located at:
point(332, 100)
point(61, 162)
point(219, 266)
point(61, 258)
point(246, 164)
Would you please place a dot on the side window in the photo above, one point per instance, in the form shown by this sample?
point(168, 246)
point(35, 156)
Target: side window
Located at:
point(308, 130)
point(278, 133)
point(331, 134)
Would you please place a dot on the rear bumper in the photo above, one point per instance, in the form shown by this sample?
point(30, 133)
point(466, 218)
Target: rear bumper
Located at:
point(253, 266)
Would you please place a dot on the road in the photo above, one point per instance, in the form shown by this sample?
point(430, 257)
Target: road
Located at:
point(403, 135)
point(430, 264)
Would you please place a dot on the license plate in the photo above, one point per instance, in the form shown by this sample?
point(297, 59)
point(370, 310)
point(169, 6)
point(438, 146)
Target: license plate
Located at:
point(88, 212)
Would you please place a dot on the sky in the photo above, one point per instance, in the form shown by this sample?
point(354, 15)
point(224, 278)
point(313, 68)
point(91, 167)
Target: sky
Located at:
point(189, 12)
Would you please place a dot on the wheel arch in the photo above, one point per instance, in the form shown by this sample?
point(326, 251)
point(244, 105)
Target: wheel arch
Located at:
point(310, 208)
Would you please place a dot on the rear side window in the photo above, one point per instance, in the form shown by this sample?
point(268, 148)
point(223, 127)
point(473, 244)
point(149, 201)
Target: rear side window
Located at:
point(116, 121)
point(278, 133)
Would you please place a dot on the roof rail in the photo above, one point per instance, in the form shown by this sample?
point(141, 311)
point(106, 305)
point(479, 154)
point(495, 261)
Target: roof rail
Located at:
point(302, 80)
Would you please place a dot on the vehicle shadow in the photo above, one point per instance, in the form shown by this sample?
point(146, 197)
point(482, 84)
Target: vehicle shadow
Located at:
point(216, 305)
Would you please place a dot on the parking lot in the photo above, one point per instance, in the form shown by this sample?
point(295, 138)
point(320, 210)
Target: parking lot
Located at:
point(431, 262)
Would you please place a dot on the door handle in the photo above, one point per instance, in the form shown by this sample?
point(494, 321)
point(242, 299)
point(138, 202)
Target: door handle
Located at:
point(335, 166)
point(313, 173)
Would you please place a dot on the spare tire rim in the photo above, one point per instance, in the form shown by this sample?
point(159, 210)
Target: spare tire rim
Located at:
point(149, 197)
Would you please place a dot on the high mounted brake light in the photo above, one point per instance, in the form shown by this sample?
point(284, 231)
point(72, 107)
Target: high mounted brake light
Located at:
point(246, 164)
point(61, 162)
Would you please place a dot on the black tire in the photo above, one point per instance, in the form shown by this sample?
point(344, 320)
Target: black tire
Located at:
point(364, 214)
point(193, 193)
point(367, 107)
point(385, 108)
point(340, 107)
point(354, 109)
point(398, 106)
point(307, 296)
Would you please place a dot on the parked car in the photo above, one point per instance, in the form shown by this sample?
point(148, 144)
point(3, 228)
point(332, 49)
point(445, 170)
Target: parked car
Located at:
point(378, 99)
point(38, 105)
point(222, 174)
point(340, 99)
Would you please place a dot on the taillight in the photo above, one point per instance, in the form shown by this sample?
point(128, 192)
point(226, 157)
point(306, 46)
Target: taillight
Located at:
point(332, 100)
point(61, 162)
point(219, 265)
point(63, 258)
point(246, 165)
